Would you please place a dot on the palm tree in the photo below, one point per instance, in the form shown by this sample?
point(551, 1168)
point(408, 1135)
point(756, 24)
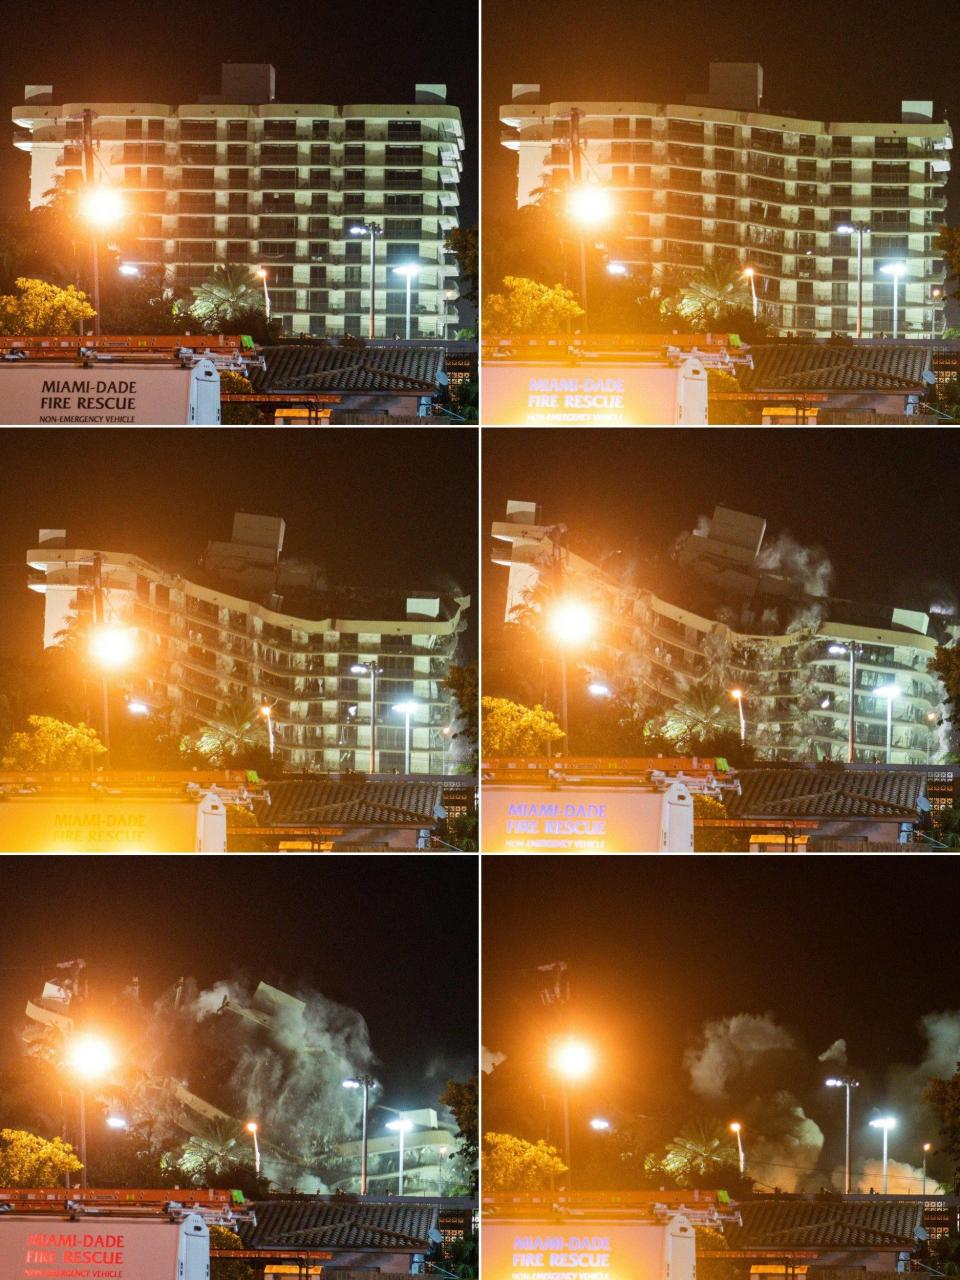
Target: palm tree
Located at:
point(702, 711)
point(227, 294)
point(701, 1149)
point(218, 1148)
point(714, 293)
point(242, 725)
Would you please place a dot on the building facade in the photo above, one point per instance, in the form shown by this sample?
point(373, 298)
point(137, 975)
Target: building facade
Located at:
point(429, 1150)
point(721, 180)
point(748, 626)
point(256, 631)
point(246, 180)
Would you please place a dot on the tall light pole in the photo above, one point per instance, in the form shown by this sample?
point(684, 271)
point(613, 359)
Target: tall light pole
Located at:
point(852, 651)
point(737, 695)
point(371, 229)
point(110, 647)
point(846, 1083)
point(926, 1152)
point(889, 691)
point(372, 670)
point(400, 1126)
point(752, 277)
point(251, 1128)
point(896, 270)
point(366, 1083)
point(735, 1128)
point(885, 1123)
point(406, 709)
point(441, 1167)
point(572, 1060)
point(588, 204)
point(266, 710)
point(102, 206)
point(858, 229)
point(571, 623)
point(89, 1057)
point(408, 270)
point(262, 273)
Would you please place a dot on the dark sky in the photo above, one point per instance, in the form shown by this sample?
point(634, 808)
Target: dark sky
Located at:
point(852, 60)
point(368, 51)
point(831, 948)
point(873, 499)
point(390, 508)
point(355, 929)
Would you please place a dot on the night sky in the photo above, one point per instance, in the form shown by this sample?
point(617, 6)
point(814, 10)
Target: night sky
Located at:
point(119, 50)
point(355, 929)
point(831, 948)
point(854, 60)
point(874, 500)
point(394, 508)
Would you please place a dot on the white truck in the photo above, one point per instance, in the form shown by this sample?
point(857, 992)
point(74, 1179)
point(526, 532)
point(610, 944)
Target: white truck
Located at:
point(589, 1244)
point(661, 390)
point(109, 393)
point(112, 821)
point(566, 815)
point(52, 1246)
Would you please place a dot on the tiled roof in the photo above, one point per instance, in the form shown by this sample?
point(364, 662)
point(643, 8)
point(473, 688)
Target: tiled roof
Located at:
point(812, 367)
point(322, 1224)
point(800, 1224)
point(312, 804)
point(316, 368)
point(826, 793)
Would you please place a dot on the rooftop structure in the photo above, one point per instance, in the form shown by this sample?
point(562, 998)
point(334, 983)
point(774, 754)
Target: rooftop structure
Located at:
point(723, 181)
point(241, 178)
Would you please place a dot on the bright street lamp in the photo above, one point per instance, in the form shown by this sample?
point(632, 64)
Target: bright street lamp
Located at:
point(927, 1147)
point(371, 229)
point(408, 270)
point(112, 647)
point(599, 1125)
point(589, 204)
point(896, 269)
point(366, 1083)
point(735, 1128)
point(852, 651)
point(571, 623)
point(372, 670)
point(617, 269)
point(251, 1128)
point(266, 710)
point(889, 691)
point(737, 695)
point(128, 269)
point(117, 1122)
point(101, 207)
point(262, 273)
point(752, 277)
point(858, 229)
point(599, 690)
point(886, 1123)
point(572, 1060)
point(89, 1057)
point(845, 1082)
point(400, 1126)
point(137, 708)
point(406, 709)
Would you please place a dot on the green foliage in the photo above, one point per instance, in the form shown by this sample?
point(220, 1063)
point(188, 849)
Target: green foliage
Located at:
point(229, 292)
point(464, 244)
point(219, 1149)
point(713, 294)
point(510, 729)
point(27, 1160)
point(528, 308)
point(947, 246)
point(53, 744)
point(943, 1098)
point(238, 841)
point(725, 412)
point(228, 1268)
point(512, 1164)
point(463, 1099)
point(945, 663)
point(464, 683)
point(233, 383)
point(43, 309)
point(700, 1151)
point(714, 839)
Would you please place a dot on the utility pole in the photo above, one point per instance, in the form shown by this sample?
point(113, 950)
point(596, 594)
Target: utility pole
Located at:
point(88, 177)
point(576, 175)
point(98, 621)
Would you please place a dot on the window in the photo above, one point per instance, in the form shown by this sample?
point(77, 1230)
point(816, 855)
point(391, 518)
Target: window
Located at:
point(400, 251)
point(155, 130)
point(621, 127)
point(355, 129)
point(276, 130)
point(351, 300)
point(320, 129)
point(236, 130)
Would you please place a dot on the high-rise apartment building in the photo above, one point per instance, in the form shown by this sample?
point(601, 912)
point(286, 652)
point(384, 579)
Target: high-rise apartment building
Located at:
point(244, 179)
point(250, 629)
point(728, 615)
point(722, 180)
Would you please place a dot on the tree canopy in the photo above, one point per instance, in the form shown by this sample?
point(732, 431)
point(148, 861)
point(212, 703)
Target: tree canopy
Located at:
point(513, 1164)
point(510, 729)
point(527, 307)
point(43, 309)
point(53, 744)
point(27, 1160)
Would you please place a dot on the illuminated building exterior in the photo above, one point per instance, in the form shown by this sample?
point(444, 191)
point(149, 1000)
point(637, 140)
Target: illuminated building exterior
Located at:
point(427, 1150)
point(748, 623)
point(252, 629)
point(721, 180)
point(244, 179)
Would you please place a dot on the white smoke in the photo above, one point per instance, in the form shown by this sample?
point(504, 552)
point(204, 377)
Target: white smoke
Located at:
point(808, 566)
point(730, 1047)
point(902, 1179)
point(837, 1052)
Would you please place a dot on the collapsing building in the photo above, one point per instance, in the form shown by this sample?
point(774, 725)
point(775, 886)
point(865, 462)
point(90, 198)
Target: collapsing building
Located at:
point(753, 614)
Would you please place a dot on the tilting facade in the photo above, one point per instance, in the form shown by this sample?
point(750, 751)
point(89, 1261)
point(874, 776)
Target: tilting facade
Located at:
point(721, 180)
point(246, 180)
point(750, 626)
point(256, 630)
